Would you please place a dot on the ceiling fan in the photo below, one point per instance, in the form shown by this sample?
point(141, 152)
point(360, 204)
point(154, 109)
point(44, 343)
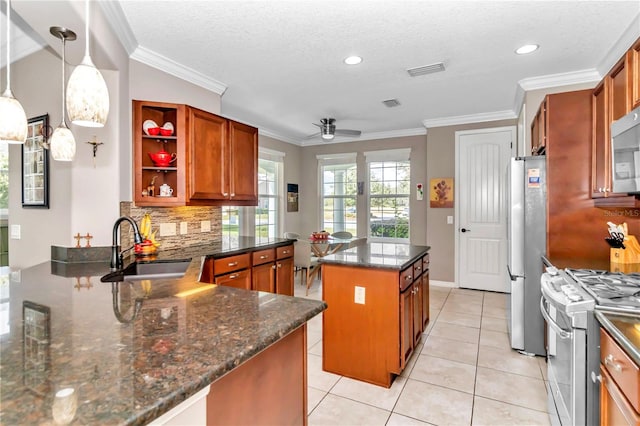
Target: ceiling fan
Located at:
point(328, 130)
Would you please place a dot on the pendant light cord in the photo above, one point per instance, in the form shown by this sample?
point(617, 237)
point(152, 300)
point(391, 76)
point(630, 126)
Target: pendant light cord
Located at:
point(8, 89)
point(64, 39)
point(86, 34)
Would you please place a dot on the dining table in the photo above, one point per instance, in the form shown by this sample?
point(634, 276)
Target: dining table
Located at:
point(322, 247)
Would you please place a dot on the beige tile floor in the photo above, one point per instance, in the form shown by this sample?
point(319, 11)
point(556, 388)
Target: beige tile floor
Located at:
point(462, 373)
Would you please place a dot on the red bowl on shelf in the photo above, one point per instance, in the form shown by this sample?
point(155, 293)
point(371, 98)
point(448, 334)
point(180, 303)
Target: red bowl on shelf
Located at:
point(165, 132)
point(153, 131)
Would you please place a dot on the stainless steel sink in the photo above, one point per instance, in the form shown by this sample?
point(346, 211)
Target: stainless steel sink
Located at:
point(149, 270)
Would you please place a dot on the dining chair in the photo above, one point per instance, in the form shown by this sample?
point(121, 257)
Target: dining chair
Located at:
point(302, 259)
point(342, 234)
point(291, 235)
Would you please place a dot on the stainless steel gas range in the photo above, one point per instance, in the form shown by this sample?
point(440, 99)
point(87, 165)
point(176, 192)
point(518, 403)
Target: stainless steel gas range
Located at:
point(569, 298)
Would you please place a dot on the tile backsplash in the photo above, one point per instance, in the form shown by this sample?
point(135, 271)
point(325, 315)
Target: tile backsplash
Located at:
point(193, 216)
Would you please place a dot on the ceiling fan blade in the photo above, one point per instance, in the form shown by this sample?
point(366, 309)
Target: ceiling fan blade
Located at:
point(348, 132)
point(316, 124)
point(315, 135)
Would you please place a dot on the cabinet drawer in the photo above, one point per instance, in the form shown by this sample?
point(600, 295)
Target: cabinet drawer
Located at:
point(406, 278)
point(231, 263)
point(621, 368)
point(263, 256)
point(239, 279)
point(417, 268)
point(425, 263)
point(284, 252)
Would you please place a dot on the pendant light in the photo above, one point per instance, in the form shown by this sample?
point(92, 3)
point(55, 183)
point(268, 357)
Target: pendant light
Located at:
point(62, 144)
point(13, 120)
point(87, 94)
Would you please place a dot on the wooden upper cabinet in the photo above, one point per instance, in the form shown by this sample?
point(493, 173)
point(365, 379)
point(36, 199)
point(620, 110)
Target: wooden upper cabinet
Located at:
point(216, 159)
point(634, 53)
point(243, 162)
point(539, 131)
point(207, 154)
point(620, 93)
point(600, 144)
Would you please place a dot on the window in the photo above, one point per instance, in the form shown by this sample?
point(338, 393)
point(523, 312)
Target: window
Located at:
point(267, 215)
point(389, 190)
point(230, 221)
point(338, 189)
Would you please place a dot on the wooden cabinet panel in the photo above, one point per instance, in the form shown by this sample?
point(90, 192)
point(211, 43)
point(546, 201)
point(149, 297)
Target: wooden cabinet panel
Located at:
point(417, 311)
point(207, 154)
point(263, 277)
point(243, 162)
point(263, 256)
point(406, 326)
point(620, 102)
point(238, 279)
point(231, 263)
point(635, 74)
point(284, 276)
point(615, 409)
point(600, 143)
point(621, 368)
point(425, 299)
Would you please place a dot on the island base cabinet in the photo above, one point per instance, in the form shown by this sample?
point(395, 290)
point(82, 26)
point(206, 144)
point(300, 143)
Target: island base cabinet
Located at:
point(268, 389)
point(615, 409)
point(361, 325)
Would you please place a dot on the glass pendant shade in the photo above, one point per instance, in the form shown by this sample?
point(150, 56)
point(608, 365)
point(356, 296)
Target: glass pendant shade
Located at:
point(13, 120)
point(87, 96)
point(62, 144)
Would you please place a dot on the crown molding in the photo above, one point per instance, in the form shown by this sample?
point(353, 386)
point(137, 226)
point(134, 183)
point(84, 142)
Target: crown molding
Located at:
point(119, 24)
point(472, 118)
point(266, 132)
point(621, 45)
point(561, 79)
point(162, 63)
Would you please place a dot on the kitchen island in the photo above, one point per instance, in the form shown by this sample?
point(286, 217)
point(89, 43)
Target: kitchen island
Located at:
point(378, 298)
point(76, 350)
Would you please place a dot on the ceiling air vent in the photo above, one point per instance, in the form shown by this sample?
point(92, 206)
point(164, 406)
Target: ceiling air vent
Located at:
point(391, 103)
point(426, 69)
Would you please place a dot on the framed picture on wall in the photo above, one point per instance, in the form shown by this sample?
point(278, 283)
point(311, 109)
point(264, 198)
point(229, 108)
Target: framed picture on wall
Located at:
point(35, 164)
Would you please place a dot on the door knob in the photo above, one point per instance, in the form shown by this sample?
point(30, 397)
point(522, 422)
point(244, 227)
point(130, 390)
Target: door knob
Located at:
point(465, 230)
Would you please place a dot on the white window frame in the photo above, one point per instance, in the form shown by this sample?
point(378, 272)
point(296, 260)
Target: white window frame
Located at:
point(278, 158)
point(329, 160)
point(388, 155)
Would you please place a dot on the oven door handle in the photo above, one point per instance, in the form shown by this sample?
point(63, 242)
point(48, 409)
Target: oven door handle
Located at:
point(562, 333)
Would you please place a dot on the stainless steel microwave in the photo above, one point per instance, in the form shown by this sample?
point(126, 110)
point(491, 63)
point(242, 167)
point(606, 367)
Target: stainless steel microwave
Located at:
point(625, 153)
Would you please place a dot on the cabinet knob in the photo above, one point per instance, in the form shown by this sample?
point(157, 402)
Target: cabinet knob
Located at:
point(279, 265)
point(408, 278)
point(225, 194)
point(264, 256)
point(233, 277)
point(595, 378)
point(233, 194)
point(285, 251)
point(609, 360)
point(233, 264)
point(273, 266)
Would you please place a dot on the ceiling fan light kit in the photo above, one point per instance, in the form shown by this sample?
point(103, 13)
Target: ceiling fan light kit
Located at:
point(328, 130)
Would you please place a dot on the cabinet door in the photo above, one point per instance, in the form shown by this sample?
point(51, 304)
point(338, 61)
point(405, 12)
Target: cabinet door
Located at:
point(207, 153)
point(614, 407)
point(620, 89)
point(535, 134)
point(635, 74)
point(243, 162)
point(239, 279)
point(425, 299)
point(417, 311)
point(406, 326)
point(263, 277)
point(600, 144)
point(284, 276)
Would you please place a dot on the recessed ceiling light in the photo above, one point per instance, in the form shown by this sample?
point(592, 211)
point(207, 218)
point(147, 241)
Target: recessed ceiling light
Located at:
point(353, 60)
point(527, 48)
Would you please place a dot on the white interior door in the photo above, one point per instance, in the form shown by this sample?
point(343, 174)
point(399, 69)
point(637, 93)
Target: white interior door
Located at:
point(481, 239)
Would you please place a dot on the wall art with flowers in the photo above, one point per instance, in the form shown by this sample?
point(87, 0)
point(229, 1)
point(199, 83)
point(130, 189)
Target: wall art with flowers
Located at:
point(441, 192)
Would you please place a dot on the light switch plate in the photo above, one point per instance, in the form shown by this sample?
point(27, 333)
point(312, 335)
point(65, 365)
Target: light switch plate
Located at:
point(183, 228)
point(359, 295)
point(167, 229)
point(15, 232)
point(449, 220)
point(205, 226)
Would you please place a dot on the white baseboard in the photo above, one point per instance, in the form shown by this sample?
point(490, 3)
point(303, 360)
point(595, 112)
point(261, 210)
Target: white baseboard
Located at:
point(437, 283)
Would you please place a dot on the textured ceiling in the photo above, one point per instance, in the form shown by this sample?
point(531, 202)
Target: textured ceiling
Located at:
point(282, 61)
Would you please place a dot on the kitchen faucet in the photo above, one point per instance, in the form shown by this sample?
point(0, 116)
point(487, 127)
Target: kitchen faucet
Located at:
point(116, 255)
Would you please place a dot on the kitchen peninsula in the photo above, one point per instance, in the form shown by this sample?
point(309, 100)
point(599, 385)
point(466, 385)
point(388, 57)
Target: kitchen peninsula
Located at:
point(81, 351)
point(378, 298)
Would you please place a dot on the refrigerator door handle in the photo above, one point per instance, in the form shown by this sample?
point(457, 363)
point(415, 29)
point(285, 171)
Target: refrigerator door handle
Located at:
point(511, 276)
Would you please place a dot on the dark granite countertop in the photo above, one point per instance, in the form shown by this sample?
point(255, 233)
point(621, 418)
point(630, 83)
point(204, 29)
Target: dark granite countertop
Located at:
point(625, 330)
point(378, 255)
point(185, 336)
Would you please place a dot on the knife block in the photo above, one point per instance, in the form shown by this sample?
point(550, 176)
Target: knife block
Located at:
point(629, 254)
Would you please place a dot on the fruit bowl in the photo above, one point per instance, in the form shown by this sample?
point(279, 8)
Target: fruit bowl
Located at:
point(145, 248)
point(322, 235)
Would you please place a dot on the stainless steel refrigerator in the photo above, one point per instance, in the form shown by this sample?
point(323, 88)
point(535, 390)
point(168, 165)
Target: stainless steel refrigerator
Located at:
point(526, 240)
